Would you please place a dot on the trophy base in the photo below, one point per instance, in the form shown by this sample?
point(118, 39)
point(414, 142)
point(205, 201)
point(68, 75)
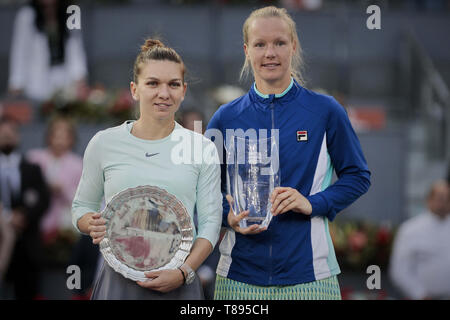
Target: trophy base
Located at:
point(255, 219)
point(249, 221)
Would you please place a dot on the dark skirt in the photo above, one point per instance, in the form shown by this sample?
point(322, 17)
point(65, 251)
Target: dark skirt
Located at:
point(111, 285)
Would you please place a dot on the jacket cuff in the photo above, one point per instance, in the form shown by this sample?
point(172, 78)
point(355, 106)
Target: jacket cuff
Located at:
point(320, 207)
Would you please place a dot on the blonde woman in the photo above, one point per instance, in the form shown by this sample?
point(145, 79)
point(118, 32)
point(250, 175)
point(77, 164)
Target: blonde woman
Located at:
point(294, 258)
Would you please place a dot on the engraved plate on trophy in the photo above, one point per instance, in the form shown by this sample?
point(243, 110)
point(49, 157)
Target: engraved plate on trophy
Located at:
point(147, 229)
point(252, 174)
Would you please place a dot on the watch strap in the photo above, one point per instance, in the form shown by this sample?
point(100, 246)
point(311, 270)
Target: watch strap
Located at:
point(190, 273)
point(184, 277)
point(188, 268)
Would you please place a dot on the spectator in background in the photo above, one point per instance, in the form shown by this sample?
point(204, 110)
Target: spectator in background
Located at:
point(45, 56)
point(24, 197)
point(420, 261)
point(62, 170)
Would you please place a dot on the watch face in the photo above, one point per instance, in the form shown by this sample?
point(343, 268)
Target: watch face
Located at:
point(147, 229)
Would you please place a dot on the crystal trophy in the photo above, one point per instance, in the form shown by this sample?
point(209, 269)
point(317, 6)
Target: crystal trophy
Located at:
point(252, 175)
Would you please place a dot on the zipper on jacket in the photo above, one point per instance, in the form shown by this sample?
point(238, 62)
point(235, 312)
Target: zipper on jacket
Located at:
point(272, 109)
point(270, 257)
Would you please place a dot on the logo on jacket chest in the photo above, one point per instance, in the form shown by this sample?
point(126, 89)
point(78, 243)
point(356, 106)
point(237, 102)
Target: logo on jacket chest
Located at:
point(148, 155)
point(302, 135)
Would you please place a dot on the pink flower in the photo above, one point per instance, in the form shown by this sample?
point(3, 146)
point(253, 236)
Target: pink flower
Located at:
point(357, 240)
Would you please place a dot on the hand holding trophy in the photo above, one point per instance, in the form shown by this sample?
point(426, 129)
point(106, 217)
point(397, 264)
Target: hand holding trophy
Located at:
point(235, 219)
point(97, 227)
point(284, 199)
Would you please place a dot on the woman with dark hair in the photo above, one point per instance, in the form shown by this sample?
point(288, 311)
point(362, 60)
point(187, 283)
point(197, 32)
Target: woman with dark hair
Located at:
point(140, 153)
point(45, 56)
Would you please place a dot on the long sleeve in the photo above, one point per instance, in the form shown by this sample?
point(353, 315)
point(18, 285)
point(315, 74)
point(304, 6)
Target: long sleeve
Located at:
point(350, 165)
point(209, 204)
point(91, 187)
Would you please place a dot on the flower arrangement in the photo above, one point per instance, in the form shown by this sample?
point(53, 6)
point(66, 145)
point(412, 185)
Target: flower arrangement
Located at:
point(359, 244)
point(94, 104)
point(58, 246)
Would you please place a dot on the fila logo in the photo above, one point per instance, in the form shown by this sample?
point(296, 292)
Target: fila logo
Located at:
point(302, 136)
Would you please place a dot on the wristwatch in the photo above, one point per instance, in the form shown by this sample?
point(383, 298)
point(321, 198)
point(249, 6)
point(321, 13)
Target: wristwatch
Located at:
point(190, 274)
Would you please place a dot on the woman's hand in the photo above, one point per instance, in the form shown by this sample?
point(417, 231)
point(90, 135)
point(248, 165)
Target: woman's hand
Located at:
point(163, 280)
point(96, 227)
point(284, 199)
point(233, 220)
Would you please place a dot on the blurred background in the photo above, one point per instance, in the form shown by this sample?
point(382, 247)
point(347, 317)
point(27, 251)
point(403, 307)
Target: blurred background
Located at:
point(394, 83)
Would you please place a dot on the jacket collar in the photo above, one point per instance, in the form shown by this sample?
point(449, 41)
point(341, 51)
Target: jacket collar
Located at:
point(264, 100)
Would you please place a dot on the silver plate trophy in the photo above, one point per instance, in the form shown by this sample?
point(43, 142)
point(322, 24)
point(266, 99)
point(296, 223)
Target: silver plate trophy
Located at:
point(252, 174)
point(147, 229)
